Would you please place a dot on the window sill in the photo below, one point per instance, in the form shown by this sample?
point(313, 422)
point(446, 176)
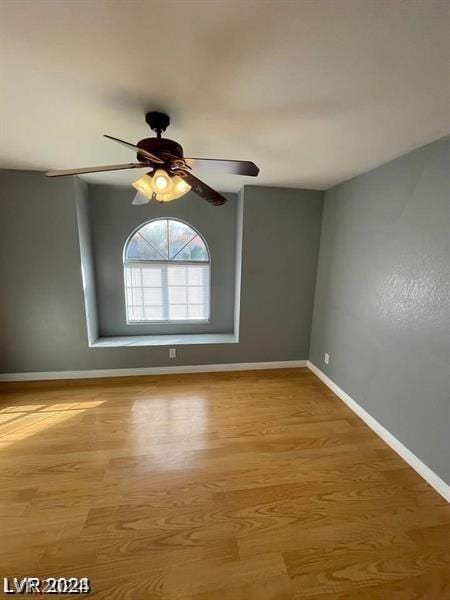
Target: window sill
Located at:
point(136, 341)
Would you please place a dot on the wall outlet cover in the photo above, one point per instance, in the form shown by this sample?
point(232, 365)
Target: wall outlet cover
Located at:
point(172, 352)
point(326, 358)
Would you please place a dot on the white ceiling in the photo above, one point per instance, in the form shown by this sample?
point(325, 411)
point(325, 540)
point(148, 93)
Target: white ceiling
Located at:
point(314, 92)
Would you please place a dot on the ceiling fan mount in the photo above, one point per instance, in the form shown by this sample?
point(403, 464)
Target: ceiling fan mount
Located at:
point(169, 174)
point(157, 121)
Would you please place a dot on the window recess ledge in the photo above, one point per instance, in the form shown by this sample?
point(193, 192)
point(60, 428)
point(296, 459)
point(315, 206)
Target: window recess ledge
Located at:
point(138, 341)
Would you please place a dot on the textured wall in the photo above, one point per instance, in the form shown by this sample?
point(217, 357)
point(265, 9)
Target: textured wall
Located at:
point(42, 312)
point(382, 305)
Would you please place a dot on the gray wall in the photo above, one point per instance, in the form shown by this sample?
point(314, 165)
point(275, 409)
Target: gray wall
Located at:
point(114, 218)
point(86, 256)
point(281, 230)
point(42, 318)
point(42, 312)
point(382, 305)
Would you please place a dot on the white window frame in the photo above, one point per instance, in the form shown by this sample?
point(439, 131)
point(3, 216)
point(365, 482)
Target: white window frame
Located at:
point(129, 262)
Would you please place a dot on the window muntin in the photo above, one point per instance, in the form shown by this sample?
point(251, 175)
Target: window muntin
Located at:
point(167, 274)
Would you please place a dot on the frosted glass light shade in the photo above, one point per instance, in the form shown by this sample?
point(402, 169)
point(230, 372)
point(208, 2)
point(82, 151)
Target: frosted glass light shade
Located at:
point(161, 186)
point(144, 186)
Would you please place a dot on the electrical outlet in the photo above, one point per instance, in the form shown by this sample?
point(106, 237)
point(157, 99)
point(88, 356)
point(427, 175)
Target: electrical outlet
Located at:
point(172, 352)
point(326, 358)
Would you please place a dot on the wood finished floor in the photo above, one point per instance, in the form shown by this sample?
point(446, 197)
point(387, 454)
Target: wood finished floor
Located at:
point(237, 486)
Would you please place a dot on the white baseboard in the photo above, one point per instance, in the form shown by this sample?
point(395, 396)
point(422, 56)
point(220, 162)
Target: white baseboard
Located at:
point(421, 468)
point(47, 375)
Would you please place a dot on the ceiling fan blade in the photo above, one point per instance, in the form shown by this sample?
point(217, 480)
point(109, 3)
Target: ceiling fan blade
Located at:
point(234, 167)
point(148, 155)
point(140, 199)
point(203, 190)
point(61, 173)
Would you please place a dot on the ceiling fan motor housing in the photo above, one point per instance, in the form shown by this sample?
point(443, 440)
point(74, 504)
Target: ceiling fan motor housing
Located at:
point(160, 146)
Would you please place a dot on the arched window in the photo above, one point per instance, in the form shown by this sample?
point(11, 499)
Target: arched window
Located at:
point(167, 273)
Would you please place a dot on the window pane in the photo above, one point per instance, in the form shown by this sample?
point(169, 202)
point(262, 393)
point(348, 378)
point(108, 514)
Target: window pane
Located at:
point(135, 276)
point(153, 313)
point(177, 295)
point(156, 234)
point(151, 275)
point(136, 313)
point(196, 311)
point(166, 239)
point(195, 295)
point(196, 275)
point(139, 248)
point(152, 296)
point(179, 235)
point(195, 250)
point(136, 296)
point(129, 296)
point(128, 272)
point(176, 274)
point(177, 312)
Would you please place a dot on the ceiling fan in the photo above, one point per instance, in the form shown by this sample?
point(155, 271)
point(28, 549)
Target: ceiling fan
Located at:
point(170, 175)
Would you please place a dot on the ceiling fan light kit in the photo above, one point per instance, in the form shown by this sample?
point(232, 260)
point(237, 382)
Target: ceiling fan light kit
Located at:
point(161, 186)
point(170, 176)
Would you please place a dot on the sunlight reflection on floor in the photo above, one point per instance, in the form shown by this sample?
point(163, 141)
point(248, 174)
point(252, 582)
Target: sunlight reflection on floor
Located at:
point(20, 422)
point(185, 418)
